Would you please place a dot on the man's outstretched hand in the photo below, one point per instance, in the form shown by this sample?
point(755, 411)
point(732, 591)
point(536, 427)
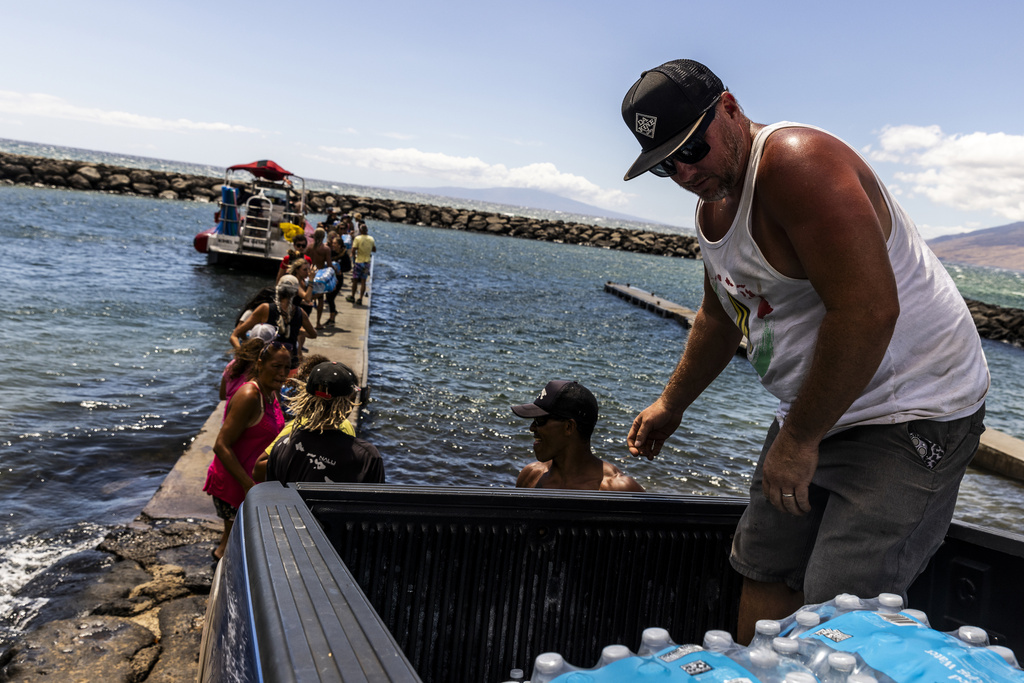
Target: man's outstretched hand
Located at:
point(650, 429)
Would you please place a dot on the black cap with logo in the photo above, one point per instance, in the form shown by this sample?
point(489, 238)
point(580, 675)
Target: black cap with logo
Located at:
point(664, 108)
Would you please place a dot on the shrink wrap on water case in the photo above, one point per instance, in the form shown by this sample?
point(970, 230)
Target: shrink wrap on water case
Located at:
point(845, 640)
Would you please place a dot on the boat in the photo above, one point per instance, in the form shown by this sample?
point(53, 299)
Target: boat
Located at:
point(262, 208)
point(360, 582)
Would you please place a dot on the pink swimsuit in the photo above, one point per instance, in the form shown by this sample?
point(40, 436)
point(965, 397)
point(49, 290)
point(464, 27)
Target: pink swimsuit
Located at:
point(248, 448)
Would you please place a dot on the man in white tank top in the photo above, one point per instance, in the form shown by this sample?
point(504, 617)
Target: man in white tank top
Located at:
point(851, 322)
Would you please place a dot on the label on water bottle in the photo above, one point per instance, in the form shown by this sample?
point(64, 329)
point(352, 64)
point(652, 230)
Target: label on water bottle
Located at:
point(682, 663)
point(908, 651)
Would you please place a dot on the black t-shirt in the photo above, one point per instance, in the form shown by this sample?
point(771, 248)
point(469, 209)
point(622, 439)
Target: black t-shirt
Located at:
point(328, 456)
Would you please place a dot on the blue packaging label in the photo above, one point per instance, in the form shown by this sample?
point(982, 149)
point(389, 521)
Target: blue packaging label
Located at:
point(909, 652)
point(684, 663)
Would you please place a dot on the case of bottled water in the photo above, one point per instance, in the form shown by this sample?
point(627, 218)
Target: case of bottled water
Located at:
point(845, 640)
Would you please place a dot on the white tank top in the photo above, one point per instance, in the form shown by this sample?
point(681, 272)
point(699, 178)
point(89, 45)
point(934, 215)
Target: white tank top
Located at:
point(934, 367)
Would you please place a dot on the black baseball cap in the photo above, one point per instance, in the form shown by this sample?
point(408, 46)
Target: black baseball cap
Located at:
point(562, 398)
point(330, 380)
point(664, 108)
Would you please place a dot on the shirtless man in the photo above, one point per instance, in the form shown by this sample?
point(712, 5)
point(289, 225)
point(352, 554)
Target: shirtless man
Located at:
point(564, 416)
point(320, 254)
point(851, 322)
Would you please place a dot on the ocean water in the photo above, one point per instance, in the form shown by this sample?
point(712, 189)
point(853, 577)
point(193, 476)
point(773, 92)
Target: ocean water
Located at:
point(114, 332)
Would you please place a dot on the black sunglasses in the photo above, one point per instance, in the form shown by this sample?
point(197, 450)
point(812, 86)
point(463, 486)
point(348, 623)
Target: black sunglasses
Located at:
point(695, 149)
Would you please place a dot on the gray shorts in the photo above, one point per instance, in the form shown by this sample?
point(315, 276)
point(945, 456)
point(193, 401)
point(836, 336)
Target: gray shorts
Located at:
point(882, 499)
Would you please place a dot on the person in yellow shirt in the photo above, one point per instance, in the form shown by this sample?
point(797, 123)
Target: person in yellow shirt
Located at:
point(363, 248)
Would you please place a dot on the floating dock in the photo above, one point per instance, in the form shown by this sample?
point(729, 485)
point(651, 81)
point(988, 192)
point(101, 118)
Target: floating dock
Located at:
point(998, 452)
point(660, 306)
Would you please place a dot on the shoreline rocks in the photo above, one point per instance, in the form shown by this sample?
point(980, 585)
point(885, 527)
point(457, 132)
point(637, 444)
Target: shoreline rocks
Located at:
point(131, 610)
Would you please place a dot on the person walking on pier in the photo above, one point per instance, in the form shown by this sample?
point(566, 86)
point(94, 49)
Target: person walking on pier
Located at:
point(851, 322)
point(564, 417)
point(320, 254)
point(252, 421)
point(363, 248)
point(285, 314)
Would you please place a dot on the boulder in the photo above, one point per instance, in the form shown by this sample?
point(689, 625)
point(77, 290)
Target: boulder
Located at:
point(168, 194)
point(141, 176)
point(13, 171)
point(147, 189)
point(95, 648)
point(79, 182)
point(90, 173)
point(181, 630)
point(49, 167)
point(180, 185)
point(116, 181)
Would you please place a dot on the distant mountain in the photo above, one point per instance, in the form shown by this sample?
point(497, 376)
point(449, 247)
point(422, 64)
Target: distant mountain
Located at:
point(519, 196)
point(1001, 247)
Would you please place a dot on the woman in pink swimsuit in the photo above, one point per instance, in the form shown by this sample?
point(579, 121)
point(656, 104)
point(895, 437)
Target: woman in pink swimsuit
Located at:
point(252, 421)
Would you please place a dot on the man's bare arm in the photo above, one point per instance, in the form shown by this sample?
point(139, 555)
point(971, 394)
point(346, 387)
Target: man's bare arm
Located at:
point(817, 191)
point(710, 346)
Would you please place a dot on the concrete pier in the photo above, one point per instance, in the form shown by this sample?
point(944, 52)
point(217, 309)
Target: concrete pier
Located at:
point(181, 495)
point(998, 452)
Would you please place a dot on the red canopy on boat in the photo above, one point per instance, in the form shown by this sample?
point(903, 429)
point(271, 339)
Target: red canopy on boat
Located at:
point(266, 169)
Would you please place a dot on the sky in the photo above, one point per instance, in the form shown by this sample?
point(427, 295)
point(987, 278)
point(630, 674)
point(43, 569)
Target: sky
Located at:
point(411, 94)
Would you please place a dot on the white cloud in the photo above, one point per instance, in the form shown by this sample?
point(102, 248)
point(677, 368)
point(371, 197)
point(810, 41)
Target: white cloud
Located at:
point(973, 172)
point(473, 172)
point(49, 106)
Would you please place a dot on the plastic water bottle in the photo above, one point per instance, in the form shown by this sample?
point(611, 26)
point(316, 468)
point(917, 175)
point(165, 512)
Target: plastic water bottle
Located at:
point(516, 676)
point(814, 655)
point(548, 666)
point(1007, 654)
point(847, 603)
point(652, 641)
point(919, 615)
point(840, 666)
point(763, 663)
point(889, 603)
point(788, 649)
point(613, 653)
point(800, 677)
point(861, 678)
point(765, 631)
point(972, 635)
point(718, 641)
point(804, 621)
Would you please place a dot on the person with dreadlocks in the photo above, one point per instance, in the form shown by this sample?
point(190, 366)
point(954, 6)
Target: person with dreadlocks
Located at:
point(318, 448)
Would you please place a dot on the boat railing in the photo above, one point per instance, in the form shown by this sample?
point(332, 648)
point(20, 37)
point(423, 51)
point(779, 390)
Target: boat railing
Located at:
point(256, 224)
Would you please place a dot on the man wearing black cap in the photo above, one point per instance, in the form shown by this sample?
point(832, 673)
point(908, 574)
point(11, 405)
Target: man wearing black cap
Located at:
point(317, 449)
point(564, 416)
point(851, 322)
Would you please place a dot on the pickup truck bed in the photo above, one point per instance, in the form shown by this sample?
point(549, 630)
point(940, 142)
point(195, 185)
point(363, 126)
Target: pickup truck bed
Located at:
point(398, 583)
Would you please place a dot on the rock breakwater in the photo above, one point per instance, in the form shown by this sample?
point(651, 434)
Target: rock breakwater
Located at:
point(77, 175)
point(993, 322)
point(998, 323)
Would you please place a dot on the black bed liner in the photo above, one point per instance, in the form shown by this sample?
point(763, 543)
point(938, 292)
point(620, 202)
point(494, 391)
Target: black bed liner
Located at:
point(399, 583)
